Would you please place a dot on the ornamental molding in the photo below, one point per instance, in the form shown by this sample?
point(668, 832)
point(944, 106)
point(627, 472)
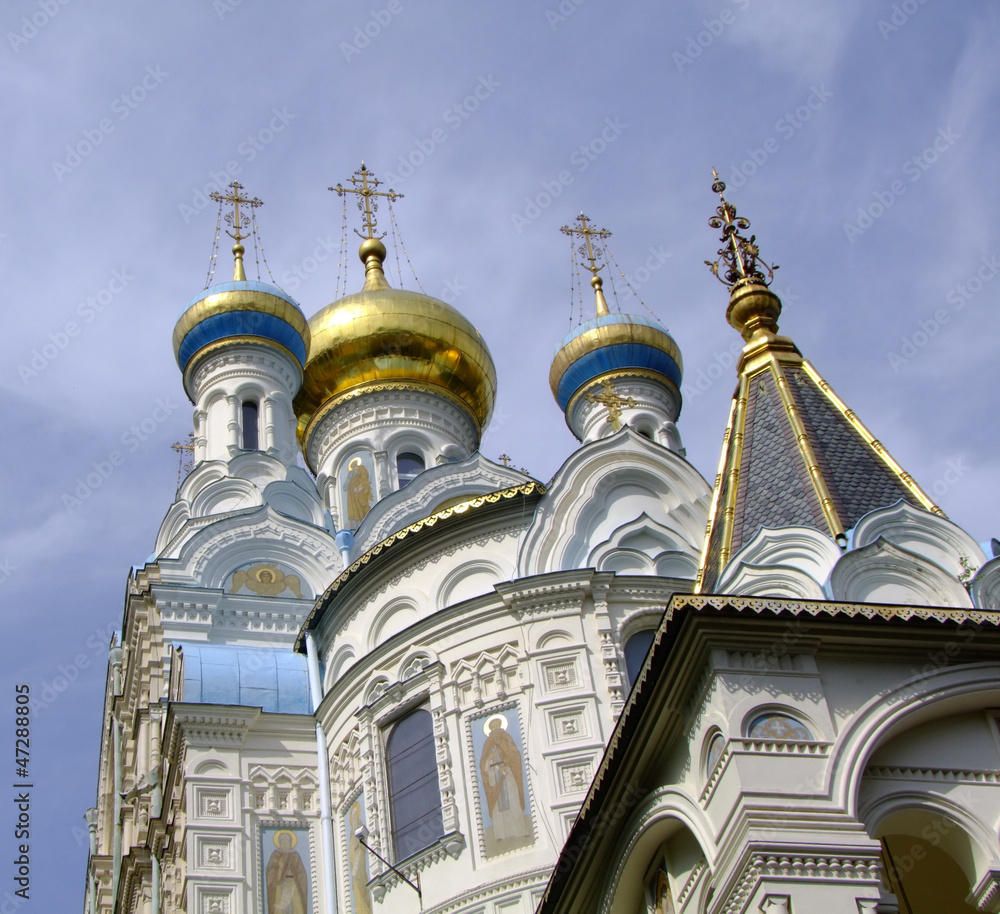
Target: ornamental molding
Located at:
point(986, 894)
point(249, 361)
point(699, 870)
point(516, 882)
point(193, 727)
point(856, 868)
point(815, 748)
point(371, 407)
point(947, 775)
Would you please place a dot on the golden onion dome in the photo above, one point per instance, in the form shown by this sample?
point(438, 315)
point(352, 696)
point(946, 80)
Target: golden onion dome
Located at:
point(382, 337)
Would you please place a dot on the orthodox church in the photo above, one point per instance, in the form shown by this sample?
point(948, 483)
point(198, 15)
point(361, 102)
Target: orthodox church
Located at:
point(406, 677)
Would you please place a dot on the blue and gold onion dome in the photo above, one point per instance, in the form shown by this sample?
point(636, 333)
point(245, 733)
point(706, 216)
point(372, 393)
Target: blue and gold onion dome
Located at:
point(609, 344)
point(382, 338)
point(240, 311)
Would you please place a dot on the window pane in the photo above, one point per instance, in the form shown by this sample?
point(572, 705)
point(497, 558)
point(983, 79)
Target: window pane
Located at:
point(414, 798)
point(636, 649)
point(408, 466)
point(251, 441)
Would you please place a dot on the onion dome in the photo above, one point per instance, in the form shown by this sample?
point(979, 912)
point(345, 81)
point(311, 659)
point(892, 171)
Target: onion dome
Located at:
point(241, 311)
point(382, 337)
point(612, 343)
point(622, 353)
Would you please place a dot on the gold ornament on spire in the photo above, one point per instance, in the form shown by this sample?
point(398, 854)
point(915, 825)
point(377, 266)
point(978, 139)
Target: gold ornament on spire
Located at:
point(739, 255)
point(364, 186)
point(233, 219)
point(592, 253)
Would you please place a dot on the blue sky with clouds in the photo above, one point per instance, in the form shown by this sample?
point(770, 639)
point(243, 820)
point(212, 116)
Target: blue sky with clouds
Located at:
point(859, 137)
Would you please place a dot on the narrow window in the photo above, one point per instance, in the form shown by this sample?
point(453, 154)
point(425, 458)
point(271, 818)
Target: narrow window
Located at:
point(408, 466)
point(414, 797)
point(636, 649)
point(251, 439)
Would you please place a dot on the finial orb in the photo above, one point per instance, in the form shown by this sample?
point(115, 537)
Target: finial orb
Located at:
point(369, 247)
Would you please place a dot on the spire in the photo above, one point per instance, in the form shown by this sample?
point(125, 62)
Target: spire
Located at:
point(793, 454)
point(592, 254)
point(372, 252)
point(233, 219)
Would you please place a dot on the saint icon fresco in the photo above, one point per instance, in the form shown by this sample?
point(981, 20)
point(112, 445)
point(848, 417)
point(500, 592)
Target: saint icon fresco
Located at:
point(359, 492)
point(286, 879)
point(502, 772)
point(358, 862)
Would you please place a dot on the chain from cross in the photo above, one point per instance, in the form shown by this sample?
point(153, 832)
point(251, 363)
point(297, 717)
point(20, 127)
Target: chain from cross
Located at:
point(183, 464)
point(364, 186)
point(588, 249)
point(612, 402)
point(233, 218)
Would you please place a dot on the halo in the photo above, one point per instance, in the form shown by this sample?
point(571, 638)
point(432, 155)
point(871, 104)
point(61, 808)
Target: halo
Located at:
point(490, 719)
point(285, 831)
point(355, 462)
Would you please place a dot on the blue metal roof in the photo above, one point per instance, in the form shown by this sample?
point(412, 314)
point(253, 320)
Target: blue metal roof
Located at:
point(615, 358)
point(244, 285)
point(273, 679)
point(242, 323)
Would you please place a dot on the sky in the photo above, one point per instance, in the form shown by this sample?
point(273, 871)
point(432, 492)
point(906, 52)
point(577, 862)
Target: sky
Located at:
point(858, 138)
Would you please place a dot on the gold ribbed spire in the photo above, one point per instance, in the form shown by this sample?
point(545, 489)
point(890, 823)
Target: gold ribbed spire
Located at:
point(592, 253)
point(233, 219)
point(372, 251)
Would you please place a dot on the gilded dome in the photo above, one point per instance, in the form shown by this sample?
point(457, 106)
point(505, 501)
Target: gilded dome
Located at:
point(244, 310)
point(612, 342)
point(382, 337)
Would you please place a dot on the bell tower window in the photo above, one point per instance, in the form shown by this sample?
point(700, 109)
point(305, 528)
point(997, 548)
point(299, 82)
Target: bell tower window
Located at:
point(251, 435)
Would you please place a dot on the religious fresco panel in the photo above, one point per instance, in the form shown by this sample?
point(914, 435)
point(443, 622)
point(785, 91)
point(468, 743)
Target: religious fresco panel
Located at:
point(357, 857)
point(357, 488)
point(286, 864)
point(502, 781)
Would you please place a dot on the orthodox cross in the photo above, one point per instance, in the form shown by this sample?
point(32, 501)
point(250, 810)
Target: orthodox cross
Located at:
point(738, 255)
point(364, 186)
point(591, 253)
point(588, 249)
point(504, 459)
point(182, 463)
point(233, 219)
point(612, 402)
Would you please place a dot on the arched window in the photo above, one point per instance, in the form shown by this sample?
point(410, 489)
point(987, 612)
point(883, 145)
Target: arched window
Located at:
point(414, 797)
point(636, 648)
point(715, 747)
point(409, 466)
point(251, 436)
point(778, 726)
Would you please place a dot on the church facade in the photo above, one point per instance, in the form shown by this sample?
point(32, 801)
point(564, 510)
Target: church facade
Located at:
point(403, 677)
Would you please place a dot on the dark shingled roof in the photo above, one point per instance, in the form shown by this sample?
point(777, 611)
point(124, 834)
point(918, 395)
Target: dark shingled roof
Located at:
point(774, 488)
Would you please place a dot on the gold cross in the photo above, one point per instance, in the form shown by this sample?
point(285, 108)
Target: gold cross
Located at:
point(364, 186)
point(233, 219)
point(612, 402)
point(588, 249)
point(504, 459)
point(183, 464)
